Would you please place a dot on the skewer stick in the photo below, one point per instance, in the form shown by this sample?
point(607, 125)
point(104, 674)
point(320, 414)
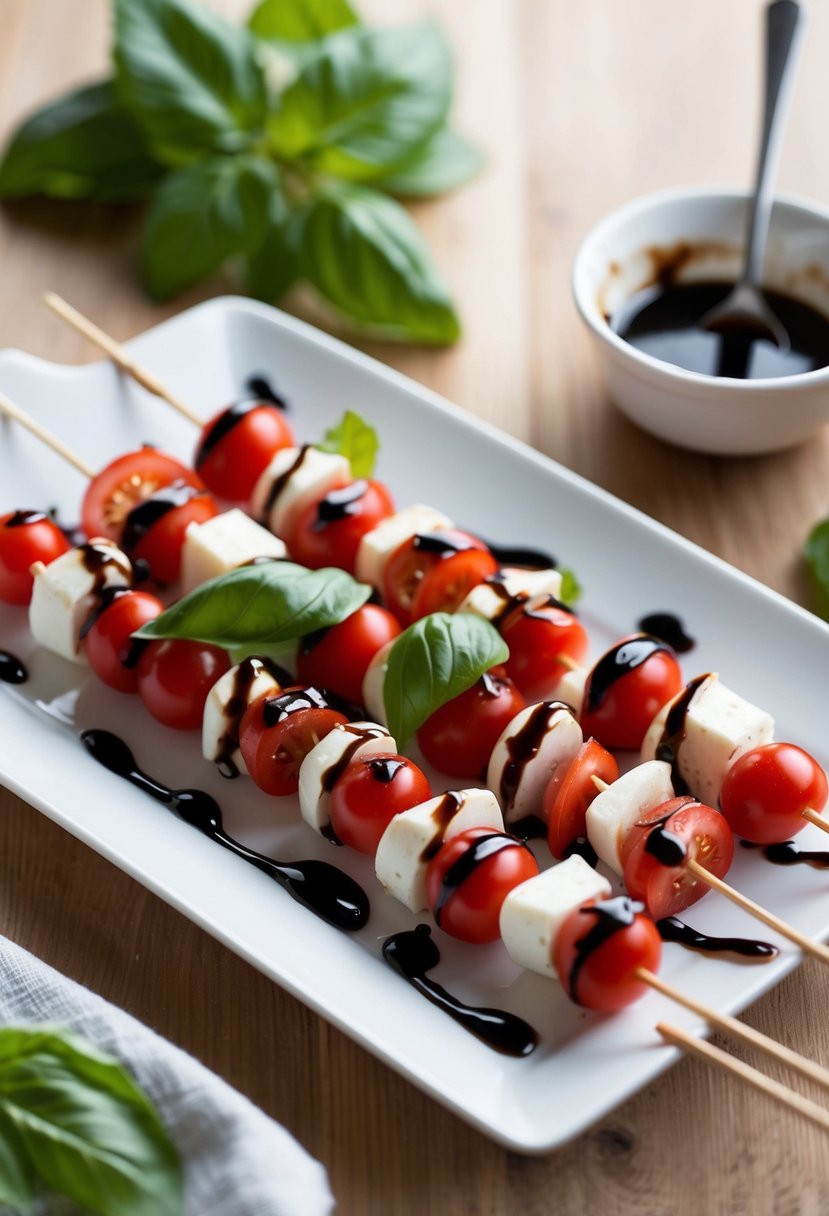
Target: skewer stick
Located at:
point(11, 410)
point(118, 355)
point(816, 818)
point(744, 1072)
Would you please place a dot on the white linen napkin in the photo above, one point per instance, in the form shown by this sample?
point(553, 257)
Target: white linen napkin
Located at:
point(236, 1161)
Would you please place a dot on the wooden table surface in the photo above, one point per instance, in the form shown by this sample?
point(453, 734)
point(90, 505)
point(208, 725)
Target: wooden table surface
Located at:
point(579, 107)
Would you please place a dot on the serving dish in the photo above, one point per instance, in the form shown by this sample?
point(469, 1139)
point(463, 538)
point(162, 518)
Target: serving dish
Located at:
point(766, 648)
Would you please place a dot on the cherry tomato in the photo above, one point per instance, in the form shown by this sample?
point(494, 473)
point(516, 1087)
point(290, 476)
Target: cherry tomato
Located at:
point(447, 584)
point(174, 678)
point(338, 658)
point(766, 791)
point(538, 638)
point(112, 652)
point(459, 737)
point(124, 483)
point(370, 793)
point(238, 444)
point(654, 862)
point(598, 950)
point(569, 794)
point(277, 733)
point(626, 689)
point(160, 545)
point(469, 878)
point(26, 537)
point(412, 560)
point(329, 531)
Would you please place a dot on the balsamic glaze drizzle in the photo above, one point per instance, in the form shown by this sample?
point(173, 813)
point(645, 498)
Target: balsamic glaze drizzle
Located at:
point(444, 544)
point(279, 483)
point(339, 504)
point(233, 415)
point(244, 678)
point(142, 517)
point(262, 388)
point(20, 518)
point(787, 853)
point(12, 669)
point(323, 888)
point(523, 746)
point(611, 916)
point(521, 555)
point(673, 733)
point(668, 628)
point(616, 663)
point(671, 929)
point(465, 865)
point(412, 953)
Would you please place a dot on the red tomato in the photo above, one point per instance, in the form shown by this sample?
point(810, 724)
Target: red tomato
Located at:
point(113, 654)
point(469, 878)
point(570, 793)
point(447, 584)
point(238, 444)
point(459, 737)
point(766, 791)
point(161, 543)
point(370, 793)
point(124, 483)
point(329, 531)
point(600, 947)
point(26, 537)
point(538, 638)
point(626, 689)
point(338, 658)
point(680, 830)
point(277, 733)
point(174, 678)
point(412, 560)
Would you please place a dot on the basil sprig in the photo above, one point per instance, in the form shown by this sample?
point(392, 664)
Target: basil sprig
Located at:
point(435, 659)
point(73, 1120)
point(355, 439)
point(276, 147)
point(266, 604)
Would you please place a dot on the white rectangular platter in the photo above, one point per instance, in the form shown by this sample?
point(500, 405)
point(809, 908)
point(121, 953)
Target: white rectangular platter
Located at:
point(764, 647)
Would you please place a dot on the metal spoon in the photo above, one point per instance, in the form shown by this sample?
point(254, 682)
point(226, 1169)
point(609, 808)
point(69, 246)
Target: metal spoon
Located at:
point(745, 306)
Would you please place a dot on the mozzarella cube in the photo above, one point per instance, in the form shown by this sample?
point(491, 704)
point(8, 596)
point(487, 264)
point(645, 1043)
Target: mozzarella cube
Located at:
point(495, 598)
point(67, 591)
point(570, 689)
point(221, 544)
point(539, 740)
point(294, 479)
point(328, 760)
point(225, 706)
point(373, 682)
point(377, 546)
point(616, 810)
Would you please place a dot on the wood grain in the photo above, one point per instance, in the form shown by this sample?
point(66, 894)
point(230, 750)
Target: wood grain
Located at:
point(579, 108)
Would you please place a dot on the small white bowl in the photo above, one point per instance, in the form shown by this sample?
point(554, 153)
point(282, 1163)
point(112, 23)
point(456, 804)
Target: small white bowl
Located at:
point(699, 232)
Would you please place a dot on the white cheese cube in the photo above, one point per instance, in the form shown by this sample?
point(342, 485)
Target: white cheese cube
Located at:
point(225, 706)
point(68, 590)
point(327, 762)
point(373, 682)
point(294, 479)
point(495, 598)
point(539, 739)
point(616, 810)
point(221, 544)
point(570, 688)
point(377, 546)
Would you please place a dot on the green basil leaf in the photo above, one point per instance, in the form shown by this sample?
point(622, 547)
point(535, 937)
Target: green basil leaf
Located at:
point(571, 589)
point(274, 266)
point(445, 161)
point(816, 553)
point(202, 215)
point(301, 20)
point(435, 659)
point(17, 1177)
point(355, 439)
point(264, 604)
point(87, 1130)
point(366, 101)
point(84, 145)
point(191, 79)
point(363, 254)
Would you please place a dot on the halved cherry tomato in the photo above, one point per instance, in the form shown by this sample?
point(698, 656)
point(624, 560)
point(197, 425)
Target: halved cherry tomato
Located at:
point(766, 791)
point(569, 794)
point(277, 733)
point(667, 837)
point(112, 651)
point(539, 637)
point(26, 537)
point(370, 793)
point(447, 584)
point(459, 737)
point(411, 562)
point(626, 689)
point(338, 658)
point(329, 531)
point(598, 950)
point(469, 878)
point(174, 678)
point(238, 444)
point(124, 483)
point(160, 545)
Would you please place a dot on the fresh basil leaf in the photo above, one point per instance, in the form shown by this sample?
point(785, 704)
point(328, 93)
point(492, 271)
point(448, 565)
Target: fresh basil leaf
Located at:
point(17, 1177)
point(84, 145)
point(264, 604)
point(202, 215)
point(274, 266)
point(363, 254)
point(355, 439)
point(571, 588)
point(816, 553)
point(191, 79)
point(300, 20)
point(86, 1129)
point(445, 161)
point(366, 101)
point(435, 659)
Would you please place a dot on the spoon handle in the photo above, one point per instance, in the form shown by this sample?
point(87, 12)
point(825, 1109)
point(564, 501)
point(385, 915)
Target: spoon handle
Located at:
point(785, 20)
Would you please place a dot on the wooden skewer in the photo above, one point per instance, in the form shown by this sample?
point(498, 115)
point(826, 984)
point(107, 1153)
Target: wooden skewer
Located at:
point(11, 410)
point(816, 818)
point(744, 1072)
point(119, 355)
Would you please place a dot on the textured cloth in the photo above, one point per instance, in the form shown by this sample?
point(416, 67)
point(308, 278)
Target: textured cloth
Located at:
point(237, 1161)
